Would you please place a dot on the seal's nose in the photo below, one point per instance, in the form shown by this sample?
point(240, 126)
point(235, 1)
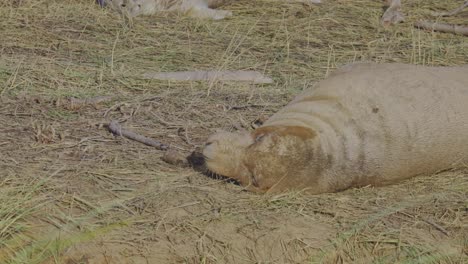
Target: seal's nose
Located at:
point(196, 159)
point(102, 3)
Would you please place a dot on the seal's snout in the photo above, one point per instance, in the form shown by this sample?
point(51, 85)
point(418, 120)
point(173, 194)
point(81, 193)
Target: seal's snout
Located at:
point(196, 159)
point(102, 3)
point(209, 151)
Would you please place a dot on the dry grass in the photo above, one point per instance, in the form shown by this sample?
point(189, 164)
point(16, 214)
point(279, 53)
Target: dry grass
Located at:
point(72, 193)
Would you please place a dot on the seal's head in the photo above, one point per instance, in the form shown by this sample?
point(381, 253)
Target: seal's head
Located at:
point(270, 158)
point(224, 151)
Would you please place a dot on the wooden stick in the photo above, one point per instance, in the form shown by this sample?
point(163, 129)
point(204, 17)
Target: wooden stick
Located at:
point(241, 76)
point(116, 129)
point(454, 11)
point(437, 226)
point(442, 27)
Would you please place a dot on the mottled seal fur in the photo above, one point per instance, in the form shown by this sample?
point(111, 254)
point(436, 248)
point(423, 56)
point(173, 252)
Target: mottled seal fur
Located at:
point(366, 124)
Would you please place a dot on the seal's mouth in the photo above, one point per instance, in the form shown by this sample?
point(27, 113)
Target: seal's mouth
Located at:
point(198, 162)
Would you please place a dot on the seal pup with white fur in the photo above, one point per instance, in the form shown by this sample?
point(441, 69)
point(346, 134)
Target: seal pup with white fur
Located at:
point(194, 8)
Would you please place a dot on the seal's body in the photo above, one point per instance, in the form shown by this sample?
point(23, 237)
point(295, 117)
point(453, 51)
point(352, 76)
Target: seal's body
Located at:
point(366, 124)
point(195, 8)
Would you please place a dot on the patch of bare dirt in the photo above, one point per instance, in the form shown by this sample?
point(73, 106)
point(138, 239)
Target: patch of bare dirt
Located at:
point(226, 239)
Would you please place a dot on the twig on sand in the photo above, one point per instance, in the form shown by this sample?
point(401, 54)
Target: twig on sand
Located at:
point(437, 226)
point(116, 129)
point(242, 76)
point(171, 156)
point(453, 12)
point(442, 27)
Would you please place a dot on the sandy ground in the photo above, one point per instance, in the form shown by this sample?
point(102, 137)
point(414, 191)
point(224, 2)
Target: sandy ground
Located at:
point(74, 193)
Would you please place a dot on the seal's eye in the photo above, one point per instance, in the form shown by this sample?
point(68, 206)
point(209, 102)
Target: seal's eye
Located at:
point(259, 137)
point(208, 143)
